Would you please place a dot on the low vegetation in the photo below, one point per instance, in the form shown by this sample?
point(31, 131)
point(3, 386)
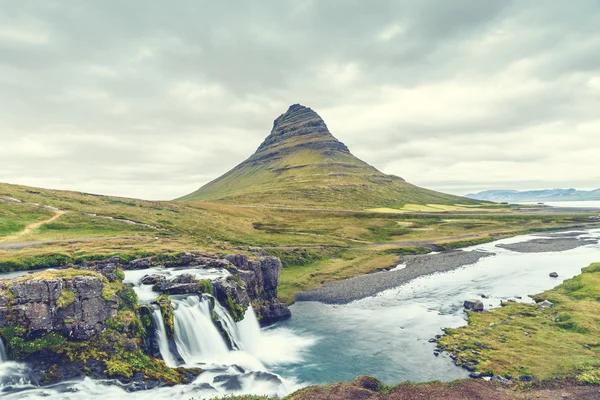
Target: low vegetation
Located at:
point(315, 246)
point(524, 341)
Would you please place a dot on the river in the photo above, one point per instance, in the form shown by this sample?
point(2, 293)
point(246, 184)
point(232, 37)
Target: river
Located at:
point(386, 336)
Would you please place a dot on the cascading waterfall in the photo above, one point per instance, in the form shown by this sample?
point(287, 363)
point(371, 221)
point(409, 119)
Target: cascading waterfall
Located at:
point(3, 356)
point(229, 325)
point(249, 332)
point(196, 336)
point(163, 340)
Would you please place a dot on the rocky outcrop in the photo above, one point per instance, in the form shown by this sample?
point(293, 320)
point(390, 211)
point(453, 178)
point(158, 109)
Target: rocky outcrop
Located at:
point(301, 121)
point(474, 305)
point(183, 284)
point(74, 306)
point(72, 323)
point(261, 278)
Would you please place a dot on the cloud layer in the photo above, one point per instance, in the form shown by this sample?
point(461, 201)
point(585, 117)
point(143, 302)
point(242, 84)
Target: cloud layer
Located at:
point(152, 100)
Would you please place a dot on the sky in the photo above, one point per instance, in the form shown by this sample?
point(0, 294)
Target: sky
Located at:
point(152, 99)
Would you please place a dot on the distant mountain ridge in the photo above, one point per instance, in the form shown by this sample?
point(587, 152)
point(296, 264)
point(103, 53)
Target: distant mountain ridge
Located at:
point(536, 195)
point(302, 164)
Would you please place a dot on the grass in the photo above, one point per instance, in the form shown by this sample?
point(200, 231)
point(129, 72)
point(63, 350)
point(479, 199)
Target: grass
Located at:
point(322, 239)
point(288, 174)
point(518, 340)
point(300, 277)
point(15, 217)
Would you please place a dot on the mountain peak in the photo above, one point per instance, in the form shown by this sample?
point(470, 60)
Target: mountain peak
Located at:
point(300, 121)
point(302, 164)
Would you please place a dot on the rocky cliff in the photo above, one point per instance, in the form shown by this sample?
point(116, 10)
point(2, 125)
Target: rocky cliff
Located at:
point(73, 306)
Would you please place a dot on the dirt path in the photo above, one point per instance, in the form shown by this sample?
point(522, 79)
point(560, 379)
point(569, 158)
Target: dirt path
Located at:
point(31, 227)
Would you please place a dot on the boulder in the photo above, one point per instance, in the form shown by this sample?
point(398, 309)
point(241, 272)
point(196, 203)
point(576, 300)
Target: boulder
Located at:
point(544, 304)
point(553, 275)
point(232, 295)
point(368, 382)
point(72, 306)
point(273, 312)
point(474, 305)
point(182, 284)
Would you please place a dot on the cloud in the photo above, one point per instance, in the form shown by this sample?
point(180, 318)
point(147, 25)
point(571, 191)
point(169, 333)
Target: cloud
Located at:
point(151, 100)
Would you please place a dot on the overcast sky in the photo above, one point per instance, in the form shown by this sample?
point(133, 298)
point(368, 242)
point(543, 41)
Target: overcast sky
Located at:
point(152, 99)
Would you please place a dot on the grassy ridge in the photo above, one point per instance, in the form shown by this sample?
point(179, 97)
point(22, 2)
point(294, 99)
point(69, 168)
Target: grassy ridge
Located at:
point(519, 340)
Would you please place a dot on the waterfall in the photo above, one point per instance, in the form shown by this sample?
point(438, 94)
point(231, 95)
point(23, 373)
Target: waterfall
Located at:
point(249, 332)
point(163, 340)
point(229, 325)
point(3, 356)
point(196, 336)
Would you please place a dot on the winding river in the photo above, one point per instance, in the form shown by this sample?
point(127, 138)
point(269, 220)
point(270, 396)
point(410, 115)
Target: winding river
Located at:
point(386, 336)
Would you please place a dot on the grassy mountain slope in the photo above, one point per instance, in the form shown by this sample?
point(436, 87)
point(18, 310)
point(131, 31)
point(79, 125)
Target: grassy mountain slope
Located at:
point(302, 164)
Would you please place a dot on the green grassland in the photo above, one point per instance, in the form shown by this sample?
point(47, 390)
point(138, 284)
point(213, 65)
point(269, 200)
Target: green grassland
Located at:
point(520, 340)
point(316, 246)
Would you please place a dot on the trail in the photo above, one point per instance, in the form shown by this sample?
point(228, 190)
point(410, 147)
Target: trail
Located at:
point(31, 227)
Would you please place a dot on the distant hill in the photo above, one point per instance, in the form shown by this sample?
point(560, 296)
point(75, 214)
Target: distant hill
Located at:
point(302, 164)
point(536, 195)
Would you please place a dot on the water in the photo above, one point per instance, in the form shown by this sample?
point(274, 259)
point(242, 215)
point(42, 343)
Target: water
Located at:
point(163, 340)
point(569, 204)
point(145, 292)
point(385, 335)
point(196, 336)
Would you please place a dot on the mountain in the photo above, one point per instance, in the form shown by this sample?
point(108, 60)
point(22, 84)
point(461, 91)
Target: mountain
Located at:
point(536, 195)
point(302, 164)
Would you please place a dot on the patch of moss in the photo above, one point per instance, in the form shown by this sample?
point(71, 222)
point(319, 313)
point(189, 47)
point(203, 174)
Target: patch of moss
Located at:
point(120, 274)
point(236, 310)
point(166, 309)
point(19, 348)
point(206, 286)
point(127, 322)
point(65, 299)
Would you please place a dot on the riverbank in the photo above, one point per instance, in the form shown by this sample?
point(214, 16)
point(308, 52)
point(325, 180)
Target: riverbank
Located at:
point(555, 338)
point(410, 267)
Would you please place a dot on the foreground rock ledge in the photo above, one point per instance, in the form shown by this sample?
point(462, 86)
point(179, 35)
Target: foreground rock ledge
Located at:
point(367, 388)
point(83, 321)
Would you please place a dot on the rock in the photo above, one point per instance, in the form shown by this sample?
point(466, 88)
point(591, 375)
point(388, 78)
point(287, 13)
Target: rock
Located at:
point(553, 275)
point(545, 304)
point(71, 306)
point(476, 375)
point(273, 312)
point(107, 268)
point(152, 279)
point(483, 296)
point(475, 305)
point(233, 296)
point(436, 353)
point(432, 340)
point(368, 382)
point(183, 284)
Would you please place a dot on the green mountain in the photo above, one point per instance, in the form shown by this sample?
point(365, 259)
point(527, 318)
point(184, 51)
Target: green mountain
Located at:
point(301, 164)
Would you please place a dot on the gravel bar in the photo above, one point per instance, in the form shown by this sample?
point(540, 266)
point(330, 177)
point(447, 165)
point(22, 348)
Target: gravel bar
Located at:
point(547, 245)
point(346, 291)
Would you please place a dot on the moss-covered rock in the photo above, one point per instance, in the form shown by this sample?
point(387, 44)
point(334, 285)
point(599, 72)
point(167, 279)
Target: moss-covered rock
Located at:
point(166, 309)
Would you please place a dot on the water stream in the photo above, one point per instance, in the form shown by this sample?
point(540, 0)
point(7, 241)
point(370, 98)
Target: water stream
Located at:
point(385, 335)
